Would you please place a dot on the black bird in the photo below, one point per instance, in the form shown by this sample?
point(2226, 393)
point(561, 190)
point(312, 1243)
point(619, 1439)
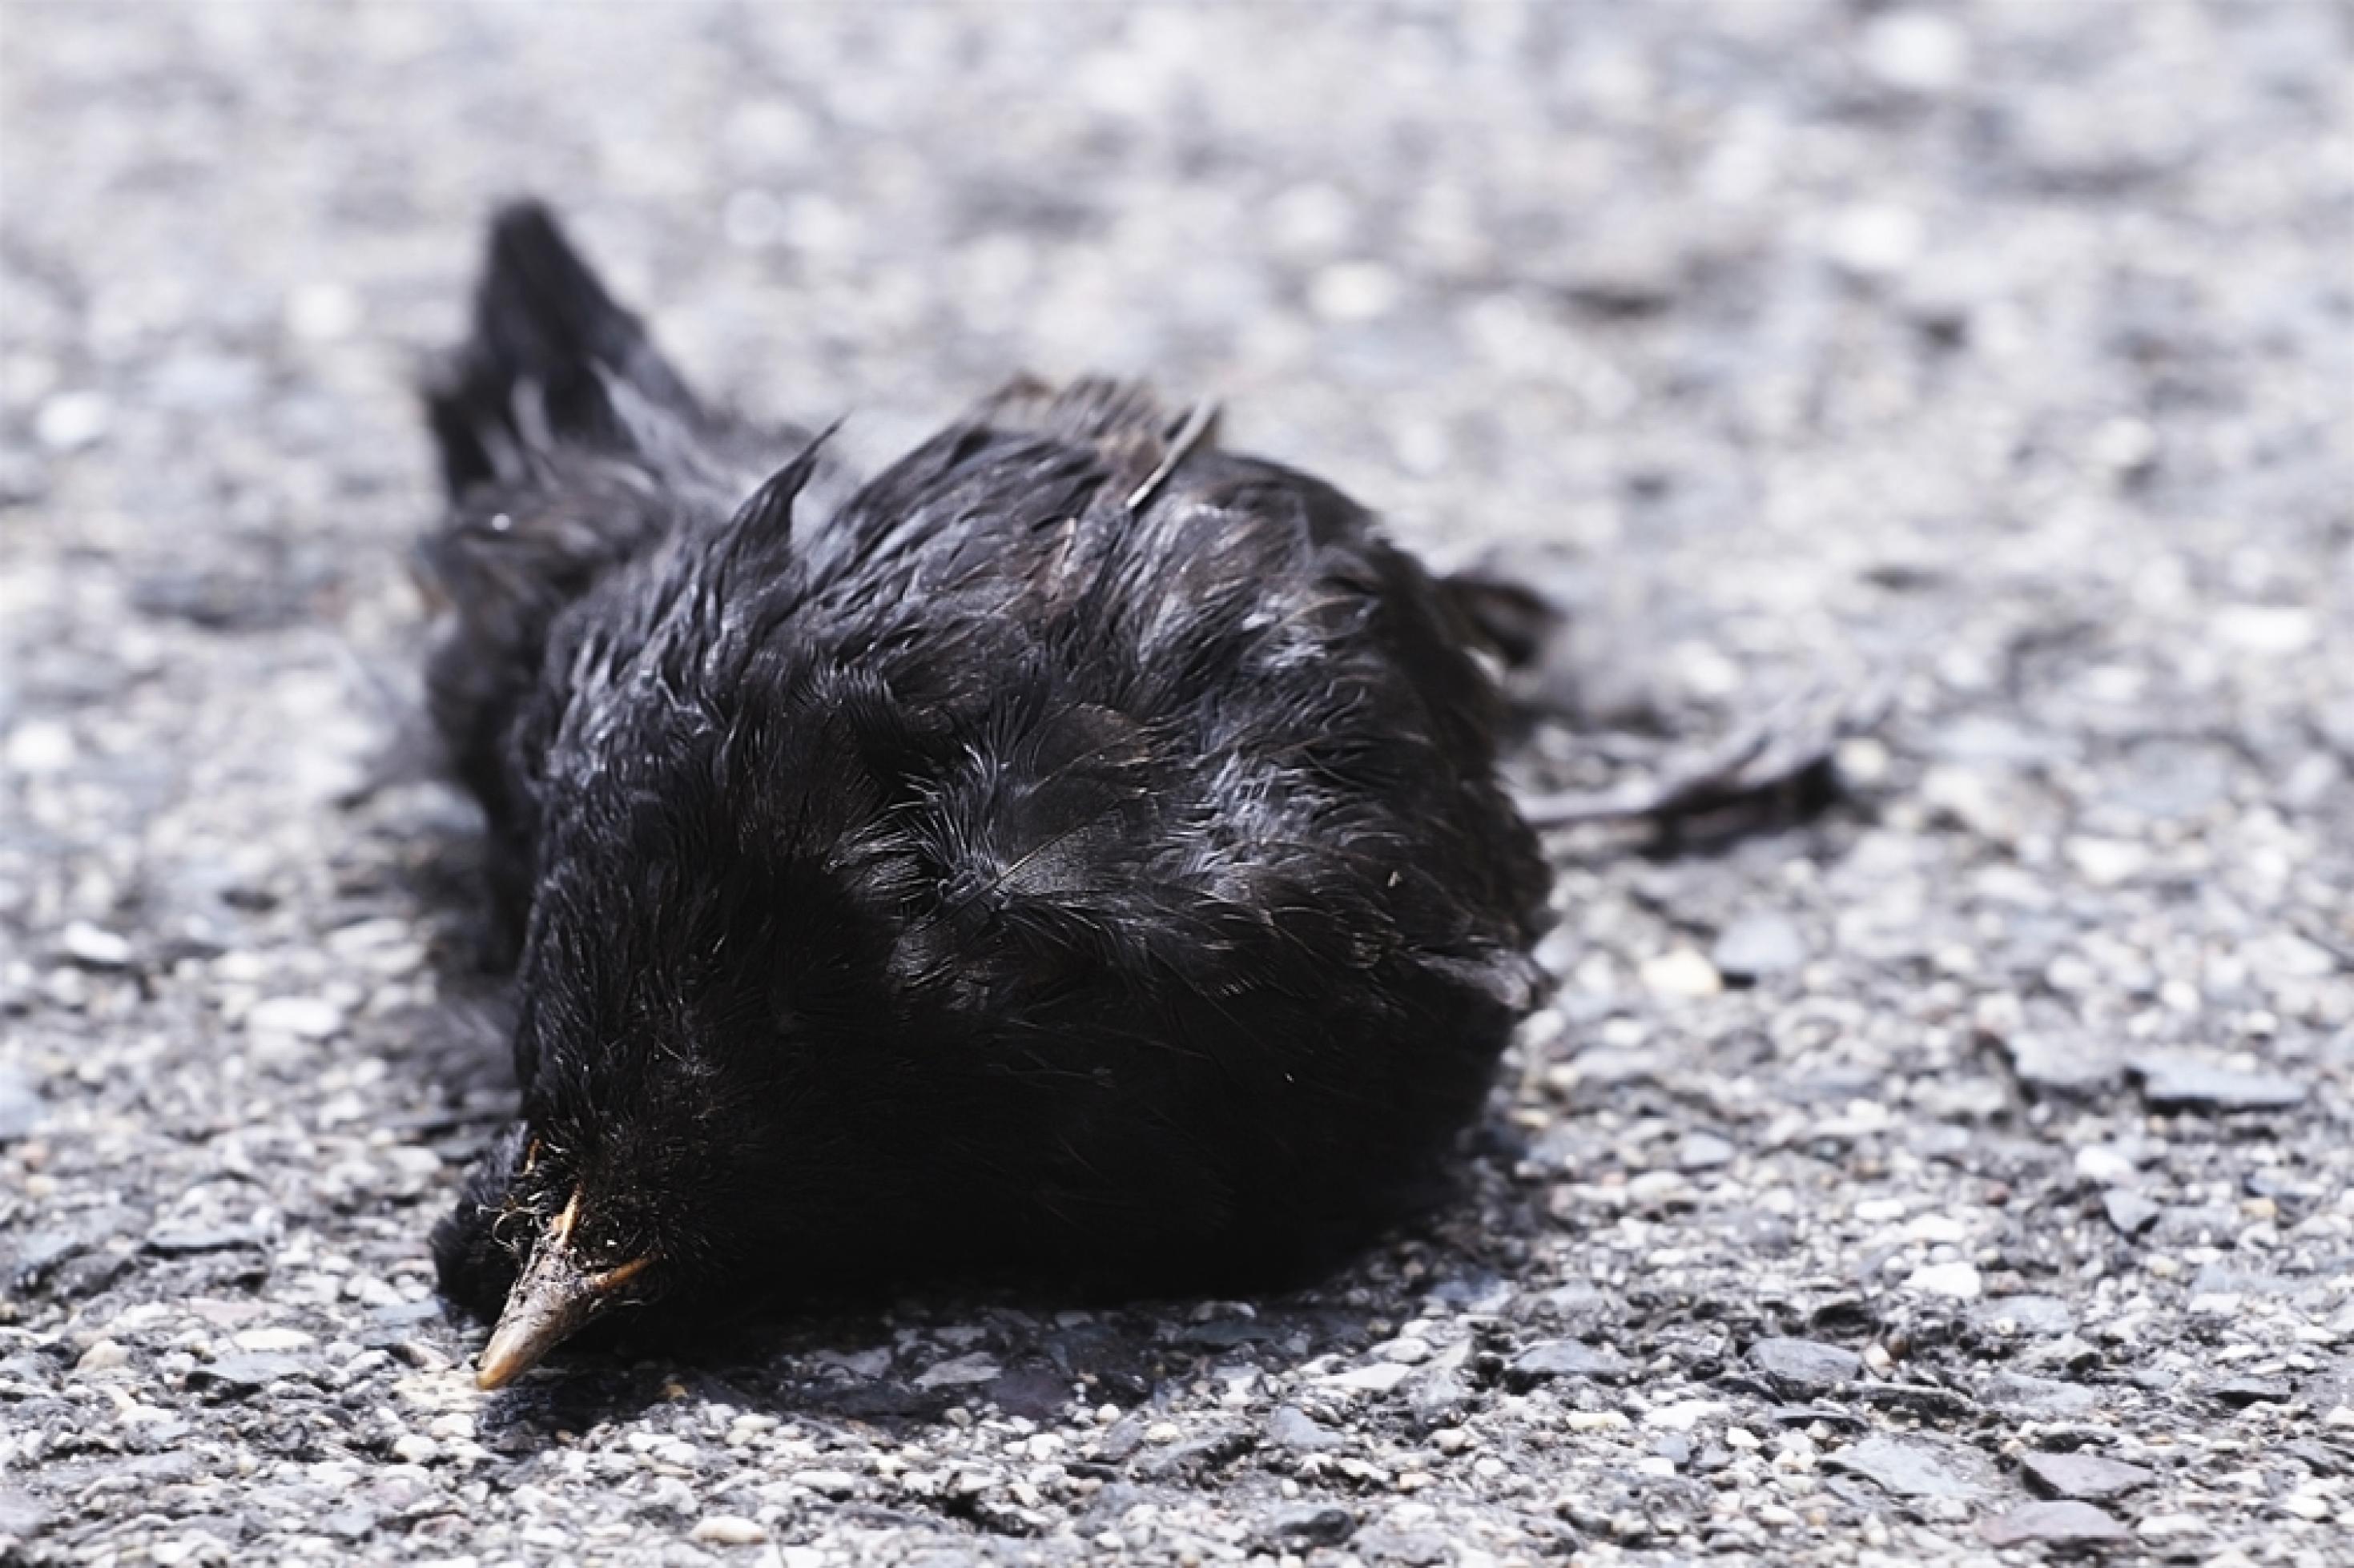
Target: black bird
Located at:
point(1077, 850)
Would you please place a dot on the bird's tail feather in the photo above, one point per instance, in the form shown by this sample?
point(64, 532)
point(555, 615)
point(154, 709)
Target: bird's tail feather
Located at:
point(552, 359)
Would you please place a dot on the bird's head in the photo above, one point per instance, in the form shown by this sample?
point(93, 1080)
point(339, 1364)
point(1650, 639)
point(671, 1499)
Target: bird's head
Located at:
point(711, 898)
point(658, 1061)
point(532, 1241)
point(648, 1037)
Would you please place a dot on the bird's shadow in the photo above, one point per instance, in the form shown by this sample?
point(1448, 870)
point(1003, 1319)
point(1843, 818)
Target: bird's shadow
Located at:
point(897, 1359)
point(911, 1361)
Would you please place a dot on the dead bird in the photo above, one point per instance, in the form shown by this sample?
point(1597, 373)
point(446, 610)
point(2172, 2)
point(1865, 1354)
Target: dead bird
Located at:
point(1078, 848)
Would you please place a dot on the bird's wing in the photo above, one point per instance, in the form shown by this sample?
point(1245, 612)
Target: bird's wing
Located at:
point(1234, 707)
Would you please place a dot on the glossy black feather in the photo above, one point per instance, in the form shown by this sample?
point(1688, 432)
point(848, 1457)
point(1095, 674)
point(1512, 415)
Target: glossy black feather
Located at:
point(971, 871)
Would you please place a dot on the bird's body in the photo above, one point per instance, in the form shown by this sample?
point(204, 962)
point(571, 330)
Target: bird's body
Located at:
point(1079, 849)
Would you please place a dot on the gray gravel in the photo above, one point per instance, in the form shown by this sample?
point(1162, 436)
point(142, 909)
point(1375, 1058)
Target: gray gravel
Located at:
point(1965, 1175)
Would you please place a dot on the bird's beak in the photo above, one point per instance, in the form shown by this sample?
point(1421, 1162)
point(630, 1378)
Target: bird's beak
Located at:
point(547, 1306)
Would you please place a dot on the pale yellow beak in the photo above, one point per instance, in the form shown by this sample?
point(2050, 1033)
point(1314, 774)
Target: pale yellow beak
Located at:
point(547, 1306)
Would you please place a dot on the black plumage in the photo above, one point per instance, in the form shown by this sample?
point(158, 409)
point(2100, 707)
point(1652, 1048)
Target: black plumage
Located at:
point(1078, 848)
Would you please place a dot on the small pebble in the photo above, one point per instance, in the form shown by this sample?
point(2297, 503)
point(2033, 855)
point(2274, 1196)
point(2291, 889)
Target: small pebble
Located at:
point(728, 1530)
point(834, 1484)
point(1915, 50)
point(73, 420)
point(2130, 1212)
point(2104, 1165)
point(1875, 239)
point(103, 1355)
point(2085, 1476)
point(1685, 1415)
point(1355, 291)
point(94, 947)
point(40, 747)
point(304, 1017)
point(1379, 1378)
point(22, 1109)
point(1954, 1281)
point(2174, 1081)
point(2057, 1524)
point(1758, 945)
point(1681, 972)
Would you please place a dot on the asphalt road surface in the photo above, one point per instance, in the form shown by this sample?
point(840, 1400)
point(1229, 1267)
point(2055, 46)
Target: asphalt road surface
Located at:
point(1962, 1175)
